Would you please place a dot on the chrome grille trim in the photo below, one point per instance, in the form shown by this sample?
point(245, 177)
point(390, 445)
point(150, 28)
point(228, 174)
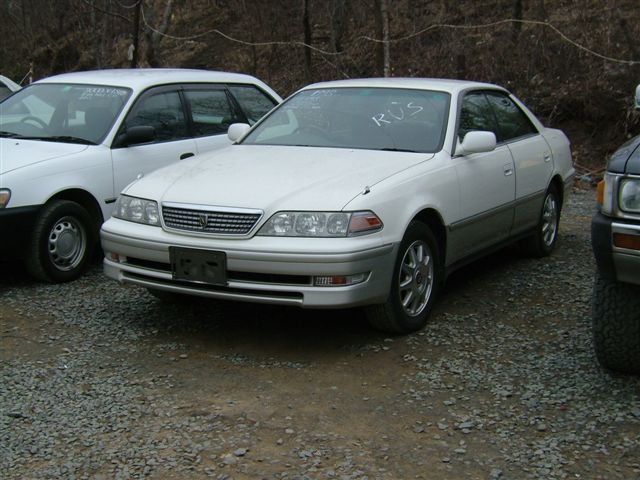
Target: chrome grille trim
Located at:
point(209, 220)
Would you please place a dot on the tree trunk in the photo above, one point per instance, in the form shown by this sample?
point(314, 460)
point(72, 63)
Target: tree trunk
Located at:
point(135, 34)
point(306, 24)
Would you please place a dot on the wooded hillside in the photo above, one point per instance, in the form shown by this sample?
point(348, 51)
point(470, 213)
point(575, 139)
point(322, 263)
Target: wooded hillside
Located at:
point(575, 63)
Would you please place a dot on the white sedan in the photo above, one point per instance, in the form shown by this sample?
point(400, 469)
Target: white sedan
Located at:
point(350, 193)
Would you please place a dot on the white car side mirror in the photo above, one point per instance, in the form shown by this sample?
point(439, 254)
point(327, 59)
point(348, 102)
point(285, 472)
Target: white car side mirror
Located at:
point(236, 131)
point(638, 97)
point(476, 142)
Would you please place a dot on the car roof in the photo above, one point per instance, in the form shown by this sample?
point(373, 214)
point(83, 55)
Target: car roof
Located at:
point(143, 78)
point(439, 84)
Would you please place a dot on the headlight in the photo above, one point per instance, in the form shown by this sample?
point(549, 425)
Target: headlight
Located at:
point(321, 224)
point(5, 195)
point(137, 210)
point(629, 199)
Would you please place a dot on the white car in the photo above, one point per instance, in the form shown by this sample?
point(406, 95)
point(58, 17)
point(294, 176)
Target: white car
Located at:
point(70, 143)
point(350, 193)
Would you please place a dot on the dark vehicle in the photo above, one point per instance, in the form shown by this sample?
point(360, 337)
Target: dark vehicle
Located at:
point(615, 234)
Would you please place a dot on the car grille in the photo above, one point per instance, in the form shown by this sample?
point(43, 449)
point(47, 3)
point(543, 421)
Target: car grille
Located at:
point(203, 220)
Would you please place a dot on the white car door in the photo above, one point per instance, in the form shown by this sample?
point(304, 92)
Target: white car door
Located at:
point(213, 108)
point(532, 159)
point(486, 183)
point(162, 109)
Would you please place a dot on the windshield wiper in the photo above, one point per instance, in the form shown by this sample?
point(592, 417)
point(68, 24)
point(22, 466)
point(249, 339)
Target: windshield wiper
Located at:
point(8, 134)
point(398, 150)
point(62, 138)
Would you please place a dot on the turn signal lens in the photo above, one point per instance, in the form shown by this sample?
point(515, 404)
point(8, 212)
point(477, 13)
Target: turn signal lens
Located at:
point(339, 280)
point(600, 192)
point(625, 240)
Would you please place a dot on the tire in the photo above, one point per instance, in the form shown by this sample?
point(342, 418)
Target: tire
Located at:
point(543, 241)
point(417, 276)
point(615, 312)
point(62, 243)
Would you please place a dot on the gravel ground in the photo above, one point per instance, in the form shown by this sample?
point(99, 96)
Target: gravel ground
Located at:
point(98, 380)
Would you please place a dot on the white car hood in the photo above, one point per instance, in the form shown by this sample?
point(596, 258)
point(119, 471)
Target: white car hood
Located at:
point(16, 153)
point(274, 177)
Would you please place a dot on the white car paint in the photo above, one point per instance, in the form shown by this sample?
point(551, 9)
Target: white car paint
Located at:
point(37, 170)
point(480, 199)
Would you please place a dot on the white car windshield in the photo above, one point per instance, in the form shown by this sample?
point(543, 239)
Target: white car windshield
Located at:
point(62, 112)
point(358, 117)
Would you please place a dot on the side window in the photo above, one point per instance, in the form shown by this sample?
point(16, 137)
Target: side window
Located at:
point(512, 122)
point(476, 114)
point(162, 111)
point(253, 102)
point(211, 111)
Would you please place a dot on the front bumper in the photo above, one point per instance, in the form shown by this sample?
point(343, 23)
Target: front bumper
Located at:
point(16, 225)
point(259, 269)
point(615, 263)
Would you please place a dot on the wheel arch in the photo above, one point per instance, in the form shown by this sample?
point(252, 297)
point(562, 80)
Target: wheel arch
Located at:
point(84, 199)
point(557, 182)
point(432, 219)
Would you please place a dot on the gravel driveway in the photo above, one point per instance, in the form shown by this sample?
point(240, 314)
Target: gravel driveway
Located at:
point(98, 380)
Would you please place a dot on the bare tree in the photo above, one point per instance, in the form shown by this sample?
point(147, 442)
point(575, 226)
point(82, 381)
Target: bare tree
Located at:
point(306, 24)
point(155, 33)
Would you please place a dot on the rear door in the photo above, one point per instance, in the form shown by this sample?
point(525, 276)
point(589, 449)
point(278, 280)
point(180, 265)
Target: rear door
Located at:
point(532, 158)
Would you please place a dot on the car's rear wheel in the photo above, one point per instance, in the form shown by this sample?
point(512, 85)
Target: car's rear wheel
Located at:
point(416, 279)
point(615, 309)
point(543, 240)
point(62, 243)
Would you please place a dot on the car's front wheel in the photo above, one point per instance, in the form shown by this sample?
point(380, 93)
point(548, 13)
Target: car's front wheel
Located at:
point(615, 309)
point(416, 279)
point(62, 243)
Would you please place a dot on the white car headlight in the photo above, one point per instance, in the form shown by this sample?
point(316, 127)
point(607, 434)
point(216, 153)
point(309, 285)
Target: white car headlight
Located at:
point(5, 195)
point(321, 224)
point(629, 199)
point(137, 210)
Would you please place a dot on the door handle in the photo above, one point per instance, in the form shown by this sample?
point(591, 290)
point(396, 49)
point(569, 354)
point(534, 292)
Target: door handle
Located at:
point(547, 157)
point(508, 170)
point(186, 155)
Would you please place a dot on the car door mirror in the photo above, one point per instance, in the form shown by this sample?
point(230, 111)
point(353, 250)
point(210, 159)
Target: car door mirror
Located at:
point(237, 130)
point(476, 142)
point(638, 97)
point(137, 135)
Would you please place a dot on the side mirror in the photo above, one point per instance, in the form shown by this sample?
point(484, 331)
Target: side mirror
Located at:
point(638, 97)
point(476, 142)
point(137, 135)
point(237, 130)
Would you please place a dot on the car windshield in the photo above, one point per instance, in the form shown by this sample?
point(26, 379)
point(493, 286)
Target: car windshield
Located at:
point(369, 118)
point(71, 113)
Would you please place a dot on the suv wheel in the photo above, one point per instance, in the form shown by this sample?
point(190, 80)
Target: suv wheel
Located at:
point(616, 324)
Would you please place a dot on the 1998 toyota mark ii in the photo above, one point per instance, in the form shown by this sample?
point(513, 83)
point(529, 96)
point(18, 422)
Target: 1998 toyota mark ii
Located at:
point(351, 193)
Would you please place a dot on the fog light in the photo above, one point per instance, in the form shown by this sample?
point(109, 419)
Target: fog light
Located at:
point(114, 257)
point(625, 240)
point(339, 280)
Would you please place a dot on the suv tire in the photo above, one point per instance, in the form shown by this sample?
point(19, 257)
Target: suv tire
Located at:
point(616, 324)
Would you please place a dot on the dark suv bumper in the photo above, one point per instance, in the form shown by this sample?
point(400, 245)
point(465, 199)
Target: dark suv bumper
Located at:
point(16, 225)
point(615, 263)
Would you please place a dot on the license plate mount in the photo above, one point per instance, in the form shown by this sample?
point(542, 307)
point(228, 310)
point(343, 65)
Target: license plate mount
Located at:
point(202, 266)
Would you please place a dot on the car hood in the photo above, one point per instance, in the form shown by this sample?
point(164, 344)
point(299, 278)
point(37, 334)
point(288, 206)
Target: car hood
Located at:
point(627, 158)
point(274, 177)
point(16, 153)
